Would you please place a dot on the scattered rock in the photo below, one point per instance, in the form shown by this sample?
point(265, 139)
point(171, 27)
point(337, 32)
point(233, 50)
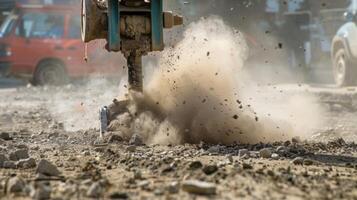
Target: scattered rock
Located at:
point(115, 138)
point(42, 191)
point(95, 190)
point(3, 158)
point(19, 154)
point(199, 187)
point(173, 188)
point(296, 140)
point(265, 153)
point(5, 136)
point(247, 166)
point(26, 163)
point(136, 140)
point(308, 162)
point(137, 174)
point(243, 153)
point(214, 149)
point(15, 185)
point(298, 161)
point(210, 169)
point(275, 156)
point(119, 195)
point(131, 148)
point(47, 168)
point(282, 149)
point(195, 165)
point(9, 165)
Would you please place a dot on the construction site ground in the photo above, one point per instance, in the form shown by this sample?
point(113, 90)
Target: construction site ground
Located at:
point(325, 167)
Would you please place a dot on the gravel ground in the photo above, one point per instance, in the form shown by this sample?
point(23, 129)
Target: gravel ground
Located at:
point(40, 158)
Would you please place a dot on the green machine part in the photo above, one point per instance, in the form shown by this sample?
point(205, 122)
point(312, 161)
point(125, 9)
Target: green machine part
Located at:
point(156, 13)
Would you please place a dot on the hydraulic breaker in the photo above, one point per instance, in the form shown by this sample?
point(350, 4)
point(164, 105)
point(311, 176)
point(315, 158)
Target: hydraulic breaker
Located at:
point(134, 27)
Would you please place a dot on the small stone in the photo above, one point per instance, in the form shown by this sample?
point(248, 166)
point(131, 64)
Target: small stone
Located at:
point(95, 190)
point(5, 136)
point(136, 140)
point(115, 139)
point(247, 166)
point(143, 184)
point(42, 191)
point(47, 168)
point(26, 163)
point(119, 195)
point(210, 169)
point(159, 192)
point(214, 149)
point(281, 149)
point(195, 165)
point(243, 152)
point(131, 148)
point(308, 162)
point(19, 154)
point(265, 153)
point(9, 165)
point(3, 158)
point(275, 156)
point(199, 187)
point(296, 140)
point(15, 185)
point(173, 188)
point(137, 174)
point(298, 161)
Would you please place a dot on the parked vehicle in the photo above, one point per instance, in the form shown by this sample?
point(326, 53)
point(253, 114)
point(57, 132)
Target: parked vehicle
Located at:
point(43, 44)
point(344, 51)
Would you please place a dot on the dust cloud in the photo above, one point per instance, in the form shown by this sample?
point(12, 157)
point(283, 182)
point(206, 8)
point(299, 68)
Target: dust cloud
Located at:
point(200, 92)
point(77, 107)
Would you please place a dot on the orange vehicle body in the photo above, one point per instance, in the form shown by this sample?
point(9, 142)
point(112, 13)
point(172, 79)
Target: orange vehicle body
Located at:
point(21, 52)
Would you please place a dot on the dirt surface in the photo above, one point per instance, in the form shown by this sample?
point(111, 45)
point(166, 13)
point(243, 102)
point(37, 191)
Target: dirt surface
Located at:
point(324, 167)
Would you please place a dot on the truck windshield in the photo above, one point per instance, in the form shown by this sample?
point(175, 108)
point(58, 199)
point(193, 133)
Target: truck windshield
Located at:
point(7, 25)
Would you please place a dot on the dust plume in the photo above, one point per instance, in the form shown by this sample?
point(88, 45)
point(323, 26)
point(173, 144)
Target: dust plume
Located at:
point(77, 106)
point(199, 93)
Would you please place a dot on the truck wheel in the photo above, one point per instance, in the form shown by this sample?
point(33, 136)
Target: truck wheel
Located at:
point(343, 70)
point(50, 73)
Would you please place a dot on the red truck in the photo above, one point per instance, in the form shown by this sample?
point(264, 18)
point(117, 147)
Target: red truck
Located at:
point(43, 44)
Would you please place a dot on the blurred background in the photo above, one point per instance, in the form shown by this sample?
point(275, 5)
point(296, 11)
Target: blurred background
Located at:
point(292, 38)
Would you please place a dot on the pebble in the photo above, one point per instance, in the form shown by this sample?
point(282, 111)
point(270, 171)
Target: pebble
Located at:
point(265, 153)
point(243, 152)
point(26, 163)
point(173, 187)
point(3, 159)
point(131, 148)
point(247, 166)
point(119, 195)
point(199, 187)
point(9, 165)
point(210, 169)
point(275, 156)
point(95, 190)
point(195, 165)
point(47, 168)
point(15, 185)
point(308, 162)
point(298, 161)
point(19, 154)
point(214, 149)
point(5, 136)
point(115, 139)
point(42, 191)
point(136, 140)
